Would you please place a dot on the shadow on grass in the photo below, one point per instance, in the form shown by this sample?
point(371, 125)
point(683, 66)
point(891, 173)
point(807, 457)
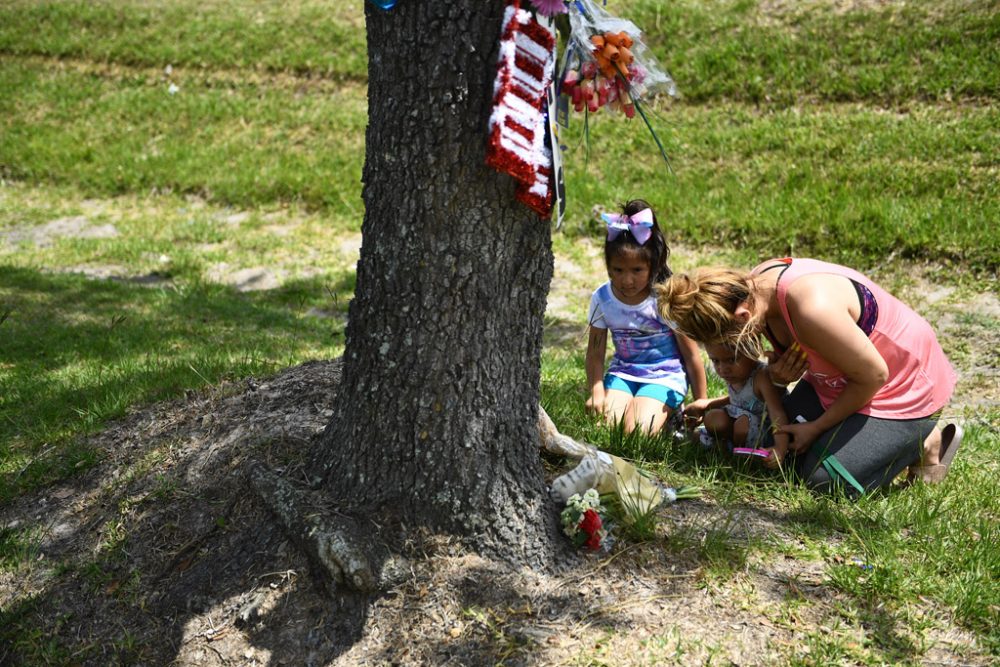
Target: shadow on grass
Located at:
point(148, 557)
point(561, 333)
point(75, 352)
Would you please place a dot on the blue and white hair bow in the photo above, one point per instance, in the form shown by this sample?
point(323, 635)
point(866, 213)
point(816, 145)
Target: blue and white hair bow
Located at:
point(640, 225)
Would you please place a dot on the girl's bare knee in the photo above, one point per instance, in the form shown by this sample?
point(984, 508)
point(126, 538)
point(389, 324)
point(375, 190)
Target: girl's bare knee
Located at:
point(615, 420)
point(650, 415)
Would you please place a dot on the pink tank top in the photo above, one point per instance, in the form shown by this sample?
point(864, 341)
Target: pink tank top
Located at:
point(921, 379)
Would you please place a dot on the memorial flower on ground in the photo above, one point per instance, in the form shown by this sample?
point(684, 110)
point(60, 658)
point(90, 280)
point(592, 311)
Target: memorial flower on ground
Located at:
point(582, 520)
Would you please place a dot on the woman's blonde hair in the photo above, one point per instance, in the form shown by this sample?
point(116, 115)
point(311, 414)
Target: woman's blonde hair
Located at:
point(701, 305)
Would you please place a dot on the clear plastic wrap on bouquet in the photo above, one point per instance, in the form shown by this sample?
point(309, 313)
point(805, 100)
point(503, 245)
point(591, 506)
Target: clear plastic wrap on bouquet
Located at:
point(607, 62)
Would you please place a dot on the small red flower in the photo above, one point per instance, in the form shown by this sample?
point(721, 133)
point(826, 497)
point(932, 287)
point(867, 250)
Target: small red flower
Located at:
point(594, 542)
point(591, 522)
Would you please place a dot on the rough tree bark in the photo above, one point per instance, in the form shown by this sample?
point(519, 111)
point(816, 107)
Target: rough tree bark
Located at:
point(438, 403)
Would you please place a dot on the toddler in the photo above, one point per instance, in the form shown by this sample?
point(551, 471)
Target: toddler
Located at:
point(738, 416)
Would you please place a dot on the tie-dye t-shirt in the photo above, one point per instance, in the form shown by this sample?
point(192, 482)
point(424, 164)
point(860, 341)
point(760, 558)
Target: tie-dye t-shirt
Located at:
point(645, 347)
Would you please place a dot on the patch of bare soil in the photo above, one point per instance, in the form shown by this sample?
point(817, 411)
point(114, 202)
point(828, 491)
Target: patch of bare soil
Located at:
point(78, 227)
point(159, 555)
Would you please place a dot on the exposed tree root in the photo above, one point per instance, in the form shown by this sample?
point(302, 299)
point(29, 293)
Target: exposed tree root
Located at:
point(336, 548)
point(342, 552)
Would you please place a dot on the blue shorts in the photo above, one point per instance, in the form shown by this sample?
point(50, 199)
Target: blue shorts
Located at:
point(669, 397)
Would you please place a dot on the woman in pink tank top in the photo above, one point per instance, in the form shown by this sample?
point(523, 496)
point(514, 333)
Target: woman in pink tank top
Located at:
point(875, 378)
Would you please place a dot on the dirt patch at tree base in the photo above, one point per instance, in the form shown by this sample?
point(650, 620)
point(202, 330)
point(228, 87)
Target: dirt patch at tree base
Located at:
point(159, 555)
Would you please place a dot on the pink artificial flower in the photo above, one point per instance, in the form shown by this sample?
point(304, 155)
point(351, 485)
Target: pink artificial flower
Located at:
point(550, 7)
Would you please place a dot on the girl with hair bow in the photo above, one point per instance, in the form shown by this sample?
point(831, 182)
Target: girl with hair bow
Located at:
point(652, 365)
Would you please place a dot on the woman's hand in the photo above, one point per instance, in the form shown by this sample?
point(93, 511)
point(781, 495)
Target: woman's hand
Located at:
point(788, 366)
point(803, 435)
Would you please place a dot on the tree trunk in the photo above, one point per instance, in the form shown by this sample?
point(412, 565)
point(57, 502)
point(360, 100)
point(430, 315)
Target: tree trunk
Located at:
point(438, 403)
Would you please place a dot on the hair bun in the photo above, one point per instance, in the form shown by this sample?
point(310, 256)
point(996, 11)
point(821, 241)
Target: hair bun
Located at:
point(676, 297)
point(702, 304)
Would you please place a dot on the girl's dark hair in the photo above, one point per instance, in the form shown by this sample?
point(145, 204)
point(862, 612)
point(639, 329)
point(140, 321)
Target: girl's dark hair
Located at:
point(655, 250)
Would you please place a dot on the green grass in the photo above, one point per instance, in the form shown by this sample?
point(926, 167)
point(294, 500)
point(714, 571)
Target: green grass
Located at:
point(719, 49)
point(303, 36)
point(845, 182)
point(170, 237)
point(778, 53)
point(855, 181)
point(868, 136)
point(241, 144)
point(928, 547)
point(77, 352)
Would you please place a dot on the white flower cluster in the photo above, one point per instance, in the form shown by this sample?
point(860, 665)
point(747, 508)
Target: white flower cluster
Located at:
point(589, 500)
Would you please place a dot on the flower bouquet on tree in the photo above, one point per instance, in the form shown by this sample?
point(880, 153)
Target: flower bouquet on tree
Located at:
point(583, 521)
point(606, 64)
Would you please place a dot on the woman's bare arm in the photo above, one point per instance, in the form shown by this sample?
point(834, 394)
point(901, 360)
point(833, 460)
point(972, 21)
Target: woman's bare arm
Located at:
point(824, 311)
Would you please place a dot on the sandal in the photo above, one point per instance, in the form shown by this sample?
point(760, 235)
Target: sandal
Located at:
point(951, 439)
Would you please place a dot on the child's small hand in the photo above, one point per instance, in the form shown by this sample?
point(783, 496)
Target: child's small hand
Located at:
point(695, 410)
point(595, 405)
point(778, 452)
